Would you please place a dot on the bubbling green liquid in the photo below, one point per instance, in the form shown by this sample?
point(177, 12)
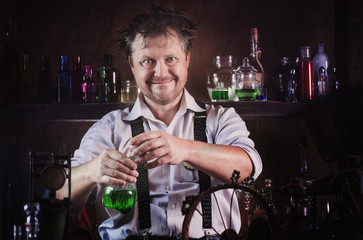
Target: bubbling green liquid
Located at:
point(122, 200)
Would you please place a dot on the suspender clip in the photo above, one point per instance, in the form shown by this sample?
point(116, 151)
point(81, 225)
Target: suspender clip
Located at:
point(145, 235)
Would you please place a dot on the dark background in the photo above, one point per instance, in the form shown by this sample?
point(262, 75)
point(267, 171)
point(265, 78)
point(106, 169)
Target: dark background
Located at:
point(89, 29)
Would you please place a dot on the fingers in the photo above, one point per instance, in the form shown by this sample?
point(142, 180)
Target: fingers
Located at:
point(145, 143)
point(121, 160)
point(115, 168)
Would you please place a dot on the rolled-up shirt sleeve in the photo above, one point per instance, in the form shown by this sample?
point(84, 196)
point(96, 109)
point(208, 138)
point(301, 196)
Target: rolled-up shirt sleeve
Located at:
point(225, 126)
point(95, 141)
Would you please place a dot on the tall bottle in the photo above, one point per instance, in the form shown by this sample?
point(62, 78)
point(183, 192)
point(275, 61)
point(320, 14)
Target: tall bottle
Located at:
point(29, 93)
point(76, 79)
point(105, 85)
point(113, 77)
point(64, 82)
point(321, 59)
point(11, 67)
point(255, 57)
point(89, 85)
point(307, 90)
point(44, 83)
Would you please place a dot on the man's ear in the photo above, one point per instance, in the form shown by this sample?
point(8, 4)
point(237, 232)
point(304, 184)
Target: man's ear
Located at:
point(129, 59)
point(188, 59)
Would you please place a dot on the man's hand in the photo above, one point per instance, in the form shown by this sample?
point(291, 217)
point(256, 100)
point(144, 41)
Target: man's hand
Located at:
point(113, 168)
point(159, 148)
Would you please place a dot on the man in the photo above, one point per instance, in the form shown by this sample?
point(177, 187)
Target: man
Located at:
point(158, 46)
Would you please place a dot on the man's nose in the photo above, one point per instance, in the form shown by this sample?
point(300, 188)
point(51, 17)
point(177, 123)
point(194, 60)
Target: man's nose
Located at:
point(161, 69)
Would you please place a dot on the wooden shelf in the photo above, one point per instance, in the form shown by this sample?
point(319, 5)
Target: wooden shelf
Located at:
point(94, 111)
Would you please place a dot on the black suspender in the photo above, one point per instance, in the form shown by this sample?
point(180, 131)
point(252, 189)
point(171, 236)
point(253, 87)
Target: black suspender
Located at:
point(142, 183)
point(204, 179)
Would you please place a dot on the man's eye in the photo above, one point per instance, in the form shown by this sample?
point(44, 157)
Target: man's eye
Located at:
point(148, 62)
point(171, 59)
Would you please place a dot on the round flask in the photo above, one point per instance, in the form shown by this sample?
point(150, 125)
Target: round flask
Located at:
point(248, 86)
point(122, 199)
point(221, 80)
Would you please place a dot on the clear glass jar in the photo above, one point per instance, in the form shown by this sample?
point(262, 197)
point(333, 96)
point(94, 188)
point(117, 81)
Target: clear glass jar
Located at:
point(222, 79)
point(129, 91)
point(247, 86)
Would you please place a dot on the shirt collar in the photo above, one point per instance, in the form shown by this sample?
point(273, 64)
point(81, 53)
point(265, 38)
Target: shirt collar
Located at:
point(141, 109)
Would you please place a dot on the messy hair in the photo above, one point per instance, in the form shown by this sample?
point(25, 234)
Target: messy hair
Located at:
point(159, 22)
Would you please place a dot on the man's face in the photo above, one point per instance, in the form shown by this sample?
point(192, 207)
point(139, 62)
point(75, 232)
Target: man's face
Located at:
point(160, 67)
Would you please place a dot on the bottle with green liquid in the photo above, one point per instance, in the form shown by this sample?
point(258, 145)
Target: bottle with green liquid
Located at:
point(121, 199)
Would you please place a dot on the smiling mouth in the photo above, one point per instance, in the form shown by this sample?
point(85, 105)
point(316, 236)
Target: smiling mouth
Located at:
point(163, 81)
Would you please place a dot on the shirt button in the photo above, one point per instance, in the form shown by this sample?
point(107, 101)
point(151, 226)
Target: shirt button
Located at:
point(167, 187)
point(173, 206)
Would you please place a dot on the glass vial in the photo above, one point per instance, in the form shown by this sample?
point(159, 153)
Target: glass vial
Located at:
point(306, 75)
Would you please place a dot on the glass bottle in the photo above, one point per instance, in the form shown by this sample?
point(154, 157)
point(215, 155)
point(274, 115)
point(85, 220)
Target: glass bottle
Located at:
point(113, 77)
point(291, 87)
point(28, 82)
point(76, 79)
point(105, 86)
point(89, 85)
point(334, 81)
point(267, 194)
point(11, 67)
point(322, 84)
point(32, 222)
point(255, 56)
point(221, 81)
point(44, 81)
point(307, 90)
point(280, 79)
point(320, 59)
point(247, 86)
point(64, 82)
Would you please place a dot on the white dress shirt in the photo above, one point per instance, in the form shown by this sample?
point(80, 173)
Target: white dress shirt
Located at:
point(169, 184)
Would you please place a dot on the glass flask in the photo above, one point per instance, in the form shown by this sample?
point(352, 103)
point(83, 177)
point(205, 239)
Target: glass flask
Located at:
point(247, 86)
point(222, 79)
point(119, 198)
